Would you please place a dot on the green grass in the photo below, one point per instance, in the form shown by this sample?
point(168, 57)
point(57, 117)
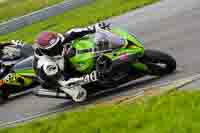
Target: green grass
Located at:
point(14, 8)
point(85, 15)
point(176, 112)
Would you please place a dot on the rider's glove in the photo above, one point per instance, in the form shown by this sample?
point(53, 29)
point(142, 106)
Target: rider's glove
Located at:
point(99, 26)
point(104, 25)
point(18, 43)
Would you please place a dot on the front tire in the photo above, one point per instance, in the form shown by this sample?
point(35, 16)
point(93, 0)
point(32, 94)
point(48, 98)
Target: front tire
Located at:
point(3, 97)
point(4, 92)
point(159, 63)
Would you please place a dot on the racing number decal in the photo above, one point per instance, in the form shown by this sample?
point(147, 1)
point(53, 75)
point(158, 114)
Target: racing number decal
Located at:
point(92, 77)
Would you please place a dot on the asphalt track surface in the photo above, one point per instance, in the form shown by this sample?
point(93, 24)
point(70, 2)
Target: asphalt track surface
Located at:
point(172, 26)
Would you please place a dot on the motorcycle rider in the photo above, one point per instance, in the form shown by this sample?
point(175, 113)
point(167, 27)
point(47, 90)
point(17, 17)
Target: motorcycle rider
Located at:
point(12, 52)
point(52, 49)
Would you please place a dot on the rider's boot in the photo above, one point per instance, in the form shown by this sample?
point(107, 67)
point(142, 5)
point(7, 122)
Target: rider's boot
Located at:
point(76, 92)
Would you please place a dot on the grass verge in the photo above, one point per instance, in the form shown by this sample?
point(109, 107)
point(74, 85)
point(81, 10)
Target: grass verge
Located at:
point(14, 8)
point(85, 15)
point(176, 112)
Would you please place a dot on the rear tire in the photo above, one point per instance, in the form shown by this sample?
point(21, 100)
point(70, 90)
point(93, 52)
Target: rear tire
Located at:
point(159, 63)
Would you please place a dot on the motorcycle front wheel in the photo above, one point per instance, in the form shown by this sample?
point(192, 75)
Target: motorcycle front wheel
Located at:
point(158, 63)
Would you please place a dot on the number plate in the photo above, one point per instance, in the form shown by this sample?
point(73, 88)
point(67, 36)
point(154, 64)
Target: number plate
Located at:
point(92, 77)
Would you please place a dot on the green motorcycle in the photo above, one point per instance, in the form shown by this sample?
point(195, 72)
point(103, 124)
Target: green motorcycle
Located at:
point(94, 67)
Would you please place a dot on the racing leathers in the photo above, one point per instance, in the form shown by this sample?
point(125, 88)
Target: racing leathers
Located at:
point(51, 70)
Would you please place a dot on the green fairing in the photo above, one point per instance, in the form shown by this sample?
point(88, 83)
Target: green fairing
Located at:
point(84, 62)
point(137, 50)
point(26, 72)
point(15, 85)
point(17, 76)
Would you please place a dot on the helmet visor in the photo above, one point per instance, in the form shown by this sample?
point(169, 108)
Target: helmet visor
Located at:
point(54, 51)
